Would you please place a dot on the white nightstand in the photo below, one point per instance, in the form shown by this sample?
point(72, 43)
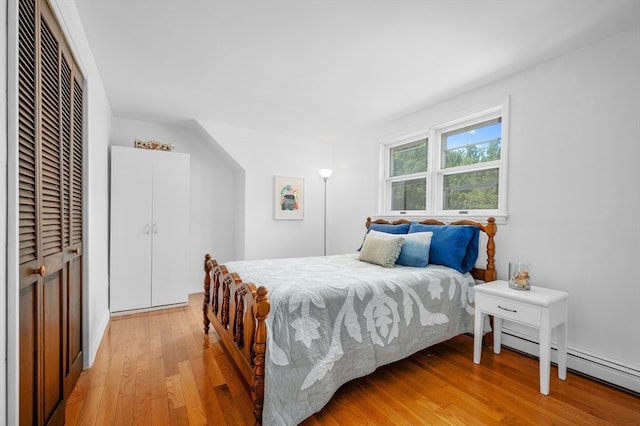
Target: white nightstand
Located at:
point(539, 307)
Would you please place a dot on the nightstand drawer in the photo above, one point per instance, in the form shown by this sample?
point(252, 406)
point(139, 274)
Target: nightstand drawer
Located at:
point(509, 310)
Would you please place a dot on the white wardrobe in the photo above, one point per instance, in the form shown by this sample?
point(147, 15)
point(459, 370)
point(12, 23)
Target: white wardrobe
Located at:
point(149, 228)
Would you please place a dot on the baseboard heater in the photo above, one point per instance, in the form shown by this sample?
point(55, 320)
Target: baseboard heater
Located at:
point(611, 372)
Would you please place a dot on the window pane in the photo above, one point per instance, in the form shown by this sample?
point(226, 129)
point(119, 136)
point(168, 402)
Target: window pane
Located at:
point(473, 190)
point(409, 158)
point(409, 195)
point(473, 144)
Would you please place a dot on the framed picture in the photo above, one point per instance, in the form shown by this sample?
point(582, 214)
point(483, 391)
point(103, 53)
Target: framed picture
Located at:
point(289, 198)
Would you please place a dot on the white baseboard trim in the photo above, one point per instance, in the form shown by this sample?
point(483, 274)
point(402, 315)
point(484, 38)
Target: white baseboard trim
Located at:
point(610, 371)
point(150, 309)
point(96, 341)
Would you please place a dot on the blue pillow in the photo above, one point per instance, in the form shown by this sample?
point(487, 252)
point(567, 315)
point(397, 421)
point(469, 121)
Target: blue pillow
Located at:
point(414, 253)
point(455, 246)
point(403, 228)
point(415, 250)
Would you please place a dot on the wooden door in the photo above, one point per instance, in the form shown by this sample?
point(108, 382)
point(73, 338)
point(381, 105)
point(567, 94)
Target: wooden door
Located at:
point(50, 216)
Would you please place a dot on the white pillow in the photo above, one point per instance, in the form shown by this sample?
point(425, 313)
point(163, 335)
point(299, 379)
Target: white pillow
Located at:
point(381, 251)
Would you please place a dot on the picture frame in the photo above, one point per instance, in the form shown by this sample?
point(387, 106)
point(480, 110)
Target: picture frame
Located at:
point(288, 198)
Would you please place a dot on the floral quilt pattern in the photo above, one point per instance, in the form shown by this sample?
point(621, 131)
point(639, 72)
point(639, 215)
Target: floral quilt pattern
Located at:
point(334, 318)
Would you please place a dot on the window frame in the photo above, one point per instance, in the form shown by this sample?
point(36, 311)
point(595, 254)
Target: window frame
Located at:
point(436, 172)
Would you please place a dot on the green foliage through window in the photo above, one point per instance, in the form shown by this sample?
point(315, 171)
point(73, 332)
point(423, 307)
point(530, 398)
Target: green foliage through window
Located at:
point(409, 195)
point(471, 190)
point(409, 158)
point(475, 144)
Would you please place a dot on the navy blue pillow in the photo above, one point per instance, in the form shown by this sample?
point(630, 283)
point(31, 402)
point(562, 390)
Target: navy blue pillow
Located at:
point(455, 246)
point(403, 228)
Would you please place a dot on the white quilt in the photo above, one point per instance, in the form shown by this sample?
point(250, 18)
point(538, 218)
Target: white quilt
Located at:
point(335, 318)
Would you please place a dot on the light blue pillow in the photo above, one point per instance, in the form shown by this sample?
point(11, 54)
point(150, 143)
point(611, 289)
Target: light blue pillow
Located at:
point(414, 253)
point(455, 246)
point(415, 250)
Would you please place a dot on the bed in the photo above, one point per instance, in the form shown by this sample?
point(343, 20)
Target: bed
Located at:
point(297, 329)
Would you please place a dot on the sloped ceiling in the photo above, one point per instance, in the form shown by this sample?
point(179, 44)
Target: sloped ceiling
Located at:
point(322, 70)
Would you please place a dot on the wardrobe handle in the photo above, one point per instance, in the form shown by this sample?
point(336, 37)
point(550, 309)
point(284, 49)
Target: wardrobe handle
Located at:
point(41, 270)
point(147, 229)
point(155, 228)
point(76, 250)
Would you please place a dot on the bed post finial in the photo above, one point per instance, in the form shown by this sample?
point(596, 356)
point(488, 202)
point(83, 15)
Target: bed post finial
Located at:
point(260, 311)
point(491, 228)
point(368, 222)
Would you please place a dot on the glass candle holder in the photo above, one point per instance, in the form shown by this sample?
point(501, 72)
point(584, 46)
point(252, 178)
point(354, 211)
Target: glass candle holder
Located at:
point(520, 275)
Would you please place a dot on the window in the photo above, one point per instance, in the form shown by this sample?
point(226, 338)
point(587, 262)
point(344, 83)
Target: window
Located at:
point(408, 171)
point(452, 170)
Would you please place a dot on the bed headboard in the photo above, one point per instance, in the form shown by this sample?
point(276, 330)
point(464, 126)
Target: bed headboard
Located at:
point(490, 229)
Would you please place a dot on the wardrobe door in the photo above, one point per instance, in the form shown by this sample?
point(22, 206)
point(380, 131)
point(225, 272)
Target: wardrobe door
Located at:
point(131, 229)
point(170, 228)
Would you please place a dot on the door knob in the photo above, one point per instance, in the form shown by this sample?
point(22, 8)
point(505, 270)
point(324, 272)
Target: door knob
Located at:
point(41, 270)
point(76, 250)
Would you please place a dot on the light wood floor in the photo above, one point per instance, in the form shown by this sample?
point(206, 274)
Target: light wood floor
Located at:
point(159, 368)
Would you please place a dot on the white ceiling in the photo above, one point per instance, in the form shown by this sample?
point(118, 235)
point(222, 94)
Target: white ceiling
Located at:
point(323, 69)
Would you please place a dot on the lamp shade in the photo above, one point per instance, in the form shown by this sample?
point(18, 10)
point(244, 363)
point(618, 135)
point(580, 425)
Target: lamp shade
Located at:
point(325, 173)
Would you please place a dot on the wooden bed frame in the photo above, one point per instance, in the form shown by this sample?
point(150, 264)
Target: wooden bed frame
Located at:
point(238, 310)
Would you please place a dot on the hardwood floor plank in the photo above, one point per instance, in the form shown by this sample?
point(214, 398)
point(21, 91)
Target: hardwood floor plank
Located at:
point(236, 411)
point(159, 368)
point(109, 401)
point(174, 392)
point(168, 349)
point(89, 409)
point(142, 408)
point(160, 411)
point(193, 402)
point(124, 410)
point(179, 416)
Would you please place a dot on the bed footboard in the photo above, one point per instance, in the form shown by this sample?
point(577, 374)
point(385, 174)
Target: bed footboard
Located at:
point(238, 312)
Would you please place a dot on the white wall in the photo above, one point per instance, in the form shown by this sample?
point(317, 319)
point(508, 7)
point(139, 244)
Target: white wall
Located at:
point(573, 191)
point(4, 28)
point(352, 193)
point(97, 127)
point(212, 184)
point(264, 156)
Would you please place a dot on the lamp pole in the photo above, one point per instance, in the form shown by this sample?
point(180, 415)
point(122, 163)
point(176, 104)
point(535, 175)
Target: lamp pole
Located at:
point(325, 174)
point(325, 215)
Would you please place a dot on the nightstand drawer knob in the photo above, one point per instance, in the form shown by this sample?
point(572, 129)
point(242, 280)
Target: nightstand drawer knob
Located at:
point(507, 309)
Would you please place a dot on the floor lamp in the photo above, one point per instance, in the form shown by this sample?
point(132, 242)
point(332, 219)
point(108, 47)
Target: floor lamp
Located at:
point(325, 174)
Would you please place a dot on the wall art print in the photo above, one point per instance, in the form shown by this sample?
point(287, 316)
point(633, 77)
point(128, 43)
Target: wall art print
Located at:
point(289, 198)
